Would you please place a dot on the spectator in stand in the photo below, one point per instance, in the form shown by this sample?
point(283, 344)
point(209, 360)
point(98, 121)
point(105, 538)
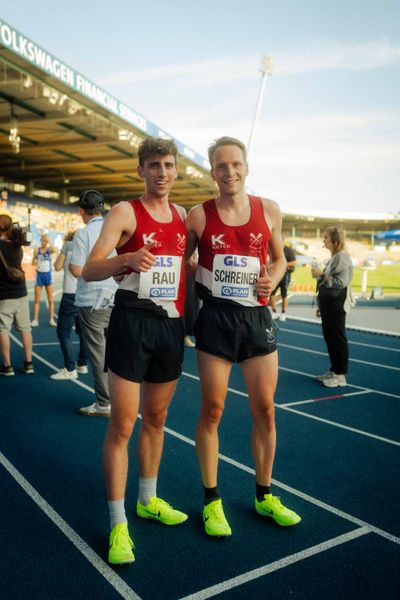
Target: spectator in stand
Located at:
point(283, 285)
point(14, 305)
point(68, 317)
point(44, 278)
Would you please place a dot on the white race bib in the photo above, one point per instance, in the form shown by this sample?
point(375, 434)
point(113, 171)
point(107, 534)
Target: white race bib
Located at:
point(161, 282)
point(234, 277)
point(43, 265)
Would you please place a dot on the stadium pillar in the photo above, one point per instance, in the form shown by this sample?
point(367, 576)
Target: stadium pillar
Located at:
point(29, 189)
point(64, 196)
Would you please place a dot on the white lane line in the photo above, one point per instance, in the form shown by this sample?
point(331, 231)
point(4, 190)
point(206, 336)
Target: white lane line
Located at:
point(351, 385)
point(340, 426)
point(352, 327)
point(322, 398)
point(111, 577)
point(354, 360)
point(309, 416)
point(247, 469)
point(310, 499)
point(351, 342)
point(224, 586)
point(243, 394)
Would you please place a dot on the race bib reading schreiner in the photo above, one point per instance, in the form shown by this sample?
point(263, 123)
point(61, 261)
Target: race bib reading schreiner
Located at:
point(234, 277)
point(161, 282)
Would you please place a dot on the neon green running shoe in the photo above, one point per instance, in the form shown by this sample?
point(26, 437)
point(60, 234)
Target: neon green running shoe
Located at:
point(271, 506)
point(215, 522)
point(120, 551)
point(159, 510)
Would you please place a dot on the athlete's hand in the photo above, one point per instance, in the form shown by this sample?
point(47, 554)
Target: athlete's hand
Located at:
point(265, 284)
point(142, 260)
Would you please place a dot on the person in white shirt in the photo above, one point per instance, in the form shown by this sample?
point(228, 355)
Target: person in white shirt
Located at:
point(93, 299)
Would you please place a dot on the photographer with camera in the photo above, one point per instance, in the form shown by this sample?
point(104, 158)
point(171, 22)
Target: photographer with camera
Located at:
point(14, 304)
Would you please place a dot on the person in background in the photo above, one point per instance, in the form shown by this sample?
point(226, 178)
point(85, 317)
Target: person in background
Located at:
point(42, 259)
point(235, 233)
point(332, 291)
point(145, 341)
point(14, 304)
point(68, 317)
point(94, 300)
point(283, 285)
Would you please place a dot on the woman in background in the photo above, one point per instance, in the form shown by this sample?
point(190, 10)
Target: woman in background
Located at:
point(44, 278)
point(332, 291)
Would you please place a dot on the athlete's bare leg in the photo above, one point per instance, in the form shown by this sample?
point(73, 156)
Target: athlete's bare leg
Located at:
point(261, 375)
point(155, 400)
point(285, 303)
point(50, 301)
point(124, 397)
point(214, 376)
point(36, 302)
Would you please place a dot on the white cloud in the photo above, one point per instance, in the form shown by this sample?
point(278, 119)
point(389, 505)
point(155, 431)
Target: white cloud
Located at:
point(322, 56)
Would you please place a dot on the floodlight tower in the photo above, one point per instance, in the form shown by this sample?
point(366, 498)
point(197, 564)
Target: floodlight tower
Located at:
point(266, 70)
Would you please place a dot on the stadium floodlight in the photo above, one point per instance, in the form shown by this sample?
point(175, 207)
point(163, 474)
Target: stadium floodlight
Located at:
point(266, 70)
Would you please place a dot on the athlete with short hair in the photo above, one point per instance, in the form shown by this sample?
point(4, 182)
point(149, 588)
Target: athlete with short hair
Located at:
point(144, 353)
point(234, 234)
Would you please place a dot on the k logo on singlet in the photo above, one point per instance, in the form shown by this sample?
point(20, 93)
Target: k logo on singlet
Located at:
point(149, 239)
point(217, 241)
point(256, 241)
point(181, 243)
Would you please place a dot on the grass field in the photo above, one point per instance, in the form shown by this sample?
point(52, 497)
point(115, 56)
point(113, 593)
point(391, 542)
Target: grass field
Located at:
point(386, 277)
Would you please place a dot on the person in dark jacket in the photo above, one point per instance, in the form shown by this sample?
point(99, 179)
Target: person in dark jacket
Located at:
point(14, 305)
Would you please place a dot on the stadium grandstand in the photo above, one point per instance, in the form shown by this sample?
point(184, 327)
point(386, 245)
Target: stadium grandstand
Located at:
point(60, 134)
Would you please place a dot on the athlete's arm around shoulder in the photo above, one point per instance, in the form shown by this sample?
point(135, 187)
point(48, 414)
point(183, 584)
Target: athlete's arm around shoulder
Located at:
point(273, 217)
point(118, 226)
point(195, 223)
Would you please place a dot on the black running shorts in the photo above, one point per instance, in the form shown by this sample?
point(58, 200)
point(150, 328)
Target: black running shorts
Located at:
point(144, 347)
point(235, 334)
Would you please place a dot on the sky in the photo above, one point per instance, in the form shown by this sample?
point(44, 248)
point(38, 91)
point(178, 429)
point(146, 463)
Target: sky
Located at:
point(328, 133)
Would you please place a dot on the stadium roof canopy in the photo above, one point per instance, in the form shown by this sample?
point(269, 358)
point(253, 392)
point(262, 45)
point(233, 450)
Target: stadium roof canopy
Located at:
point(73, 135)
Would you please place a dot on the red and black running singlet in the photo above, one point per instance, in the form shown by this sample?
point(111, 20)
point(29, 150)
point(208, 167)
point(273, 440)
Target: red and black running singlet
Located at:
point(162, 288)
point(230, 256)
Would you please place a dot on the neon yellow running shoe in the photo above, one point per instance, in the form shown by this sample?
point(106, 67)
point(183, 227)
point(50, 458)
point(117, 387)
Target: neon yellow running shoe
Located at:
point(215, 522)
point(120, 551)
point(271, 506)
point(159, 510)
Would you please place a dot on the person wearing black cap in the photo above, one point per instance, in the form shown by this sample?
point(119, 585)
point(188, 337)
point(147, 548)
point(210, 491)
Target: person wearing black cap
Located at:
point(93, 299)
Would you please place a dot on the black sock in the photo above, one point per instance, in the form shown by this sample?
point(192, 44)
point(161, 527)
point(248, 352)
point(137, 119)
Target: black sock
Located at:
point(261, 490)
point(210, 494)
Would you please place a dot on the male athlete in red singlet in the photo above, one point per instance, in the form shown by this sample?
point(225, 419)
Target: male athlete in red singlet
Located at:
point(145, 336)
point(235, 233)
